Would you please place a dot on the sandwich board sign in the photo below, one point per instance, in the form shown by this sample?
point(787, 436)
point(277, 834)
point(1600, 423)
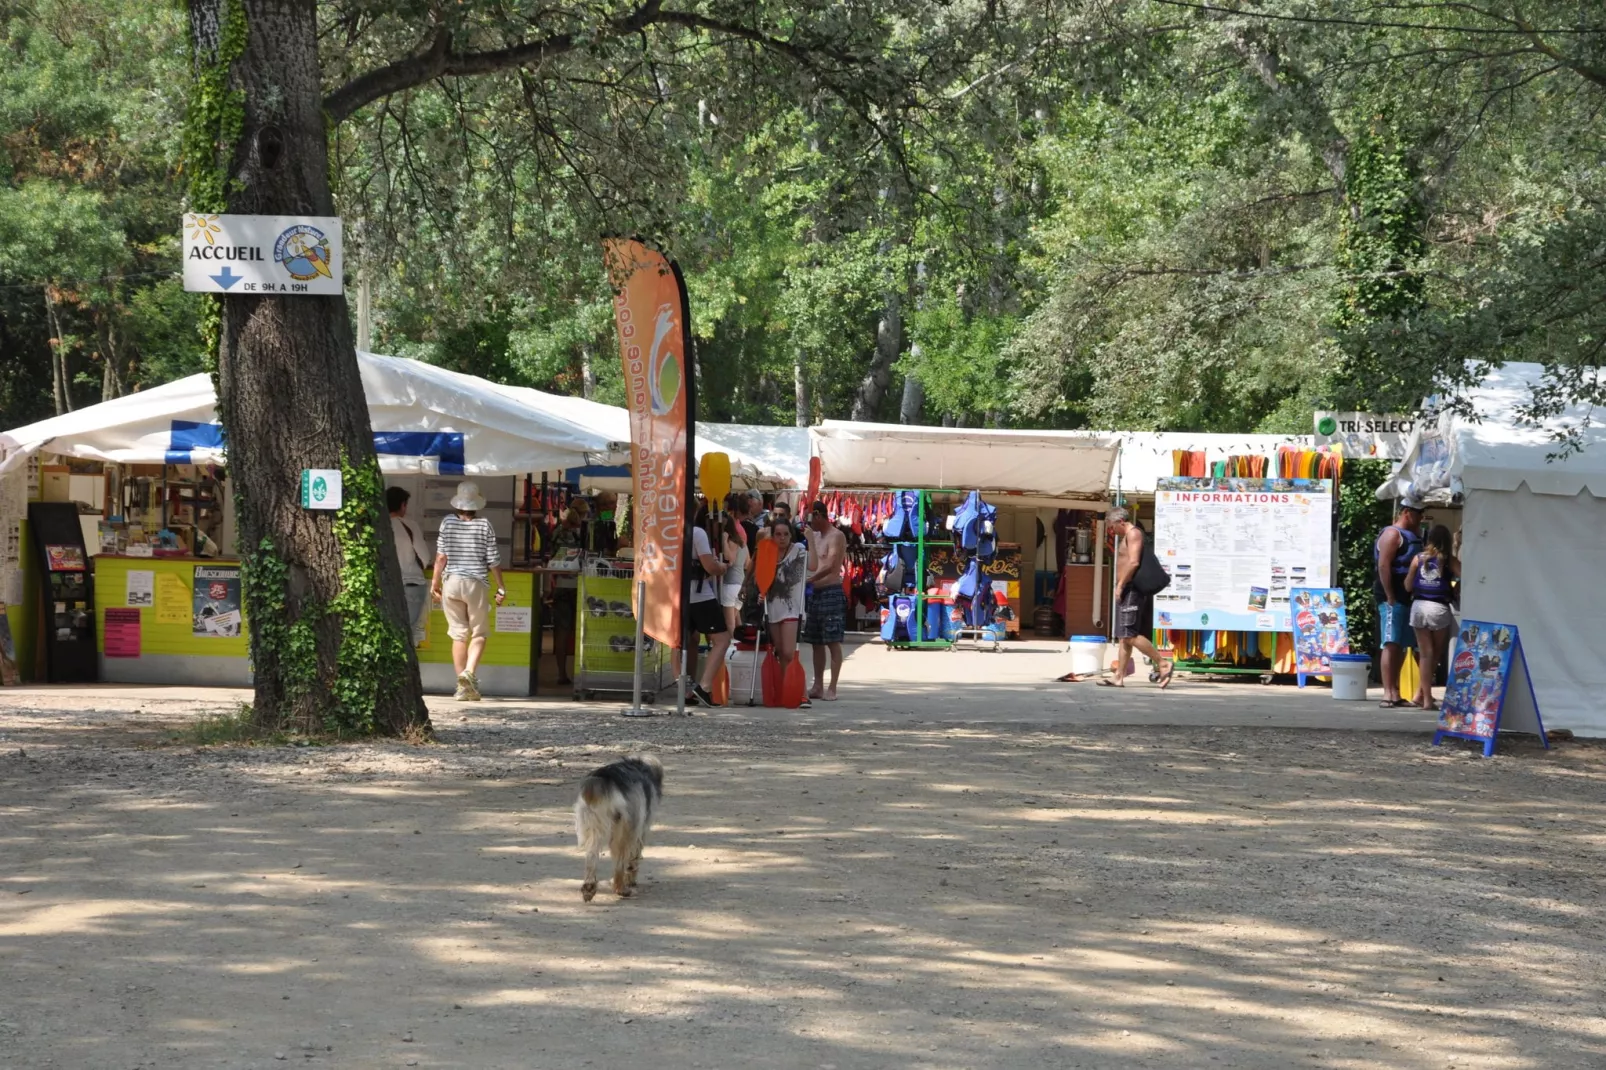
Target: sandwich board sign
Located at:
point(263, 254)
point(1488, 688)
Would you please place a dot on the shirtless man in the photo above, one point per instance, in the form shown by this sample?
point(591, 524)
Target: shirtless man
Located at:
point(825, 619)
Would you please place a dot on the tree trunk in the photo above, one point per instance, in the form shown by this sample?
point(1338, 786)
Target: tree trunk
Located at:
point(914, 394)
point(800, 390)
point(888, 343)
point(290, 398)
point(60, 378)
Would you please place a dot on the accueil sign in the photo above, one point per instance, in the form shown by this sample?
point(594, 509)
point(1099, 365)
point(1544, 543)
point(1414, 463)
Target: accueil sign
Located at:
point(263, 254)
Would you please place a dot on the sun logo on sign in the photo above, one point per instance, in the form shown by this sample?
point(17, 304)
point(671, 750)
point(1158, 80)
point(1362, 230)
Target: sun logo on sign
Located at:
point(202, 226)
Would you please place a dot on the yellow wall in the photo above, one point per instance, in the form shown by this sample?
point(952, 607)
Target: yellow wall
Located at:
point(503, 648)
point(155, 636)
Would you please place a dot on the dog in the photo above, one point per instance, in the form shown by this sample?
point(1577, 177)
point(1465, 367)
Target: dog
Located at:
point(615, 811)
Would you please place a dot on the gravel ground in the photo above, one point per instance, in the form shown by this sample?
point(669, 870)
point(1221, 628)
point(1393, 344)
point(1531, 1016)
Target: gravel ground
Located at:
point(816, 895)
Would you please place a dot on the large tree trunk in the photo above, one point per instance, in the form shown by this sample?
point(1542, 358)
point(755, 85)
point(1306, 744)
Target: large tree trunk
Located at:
point(290, 398)
point(888, 344)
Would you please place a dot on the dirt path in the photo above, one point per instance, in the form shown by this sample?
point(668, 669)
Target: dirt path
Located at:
point(921, 895)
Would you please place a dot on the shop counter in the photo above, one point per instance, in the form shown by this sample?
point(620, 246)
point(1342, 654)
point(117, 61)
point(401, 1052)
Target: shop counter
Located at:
point(180, 621)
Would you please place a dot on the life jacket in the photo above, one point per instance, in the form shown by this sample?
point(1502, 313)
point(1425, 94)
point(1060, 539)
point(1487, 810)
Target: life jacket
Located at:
point(1433, 580)
point(974, 524)
point(1410, 546)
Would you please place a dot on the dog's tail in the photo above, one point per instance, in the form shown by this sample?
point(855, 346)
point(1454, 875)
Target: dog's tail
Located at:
point(599, 807)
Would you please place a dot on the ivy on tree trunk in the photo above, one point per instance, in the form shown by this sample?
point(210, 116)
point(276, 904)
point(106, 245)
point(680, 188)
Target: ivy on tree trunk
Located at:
point(290, 395)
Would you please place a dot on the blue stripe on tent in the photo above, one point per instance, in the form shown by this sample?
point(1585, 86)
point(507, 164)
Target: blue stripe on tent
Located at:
point(187, 435)
point(445, 446)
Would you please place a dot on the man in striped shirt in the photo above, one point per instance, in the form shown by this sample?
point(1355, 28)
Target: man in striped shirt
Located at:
point(465, 552)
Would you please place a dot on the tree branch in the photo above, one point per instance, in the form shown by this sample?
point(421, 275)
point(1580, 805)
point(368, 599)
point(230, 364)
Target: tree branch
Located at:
point(438, 60)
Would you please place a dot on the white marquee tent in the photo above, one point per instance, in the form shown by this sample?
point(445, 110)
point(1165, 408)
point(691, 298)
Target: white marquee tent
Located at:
point(747, 472)
point(1029, 467)
point(1533, 549)
point(426, 420)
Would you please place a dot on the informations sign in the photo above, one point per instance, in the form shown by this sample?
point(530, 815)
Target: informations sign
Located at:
point(1488, 687)
point(1236, 547)
point(263, 254)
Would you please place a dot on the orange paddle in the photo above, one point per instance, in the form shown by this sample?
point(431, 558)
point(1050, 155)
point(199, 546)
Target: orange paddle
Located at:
point(793, 685)
point(771, 676)
point(764, 561)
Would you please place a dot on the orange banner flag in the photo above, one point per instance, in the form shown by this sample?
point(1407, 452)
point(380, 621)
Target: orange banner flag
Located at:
point(651, 312)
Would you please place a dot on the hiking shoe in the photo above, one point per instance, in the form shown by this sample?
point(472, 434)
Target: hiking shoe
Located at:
point(701, 697)
point(468, 688)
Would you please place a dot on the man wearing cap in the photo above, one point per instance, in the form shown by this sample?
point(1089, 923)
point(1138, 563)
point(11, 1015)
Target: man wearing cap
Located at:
point(465, 552)
point(1396, 547)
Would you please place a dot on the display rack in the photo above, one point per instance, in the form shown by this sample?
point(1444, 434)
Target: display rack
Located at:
point(605, 633)
point(920, 597)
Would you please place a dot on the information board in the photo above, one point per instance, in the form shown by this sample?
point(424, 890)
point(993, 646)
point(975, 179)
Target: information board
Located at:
point(1236, 547)
point(1488, 687)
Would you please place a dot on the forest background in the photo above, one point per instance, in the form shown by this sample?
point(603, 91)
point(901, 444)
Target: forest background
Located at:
point(1144, 214)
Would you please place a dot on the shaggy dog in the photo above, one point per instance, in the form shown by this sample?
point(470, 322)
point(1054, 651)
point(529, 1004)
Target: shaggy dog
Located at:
point(615, 810)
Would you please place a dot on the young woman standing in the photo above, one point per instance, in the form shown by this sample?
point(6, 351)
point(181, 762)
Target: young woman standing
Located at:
point(1429, 583)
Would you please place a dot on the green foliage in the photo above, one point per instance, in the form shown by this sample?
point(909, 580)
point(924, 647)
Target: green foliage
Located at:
point(1360, 518)
point(276, 636)
point(212, 127)
point(90, 92)
point(373, 658)
point(1379, 250)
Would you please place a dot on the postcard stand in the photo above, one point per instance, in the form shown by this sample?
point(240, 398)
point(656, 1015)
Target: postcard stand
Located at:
point(1489, 687)
point(66, 593)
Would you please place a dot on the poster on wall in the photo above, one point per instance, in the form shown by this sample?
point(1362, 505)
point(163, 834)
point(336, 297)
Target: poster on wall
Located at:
point(217, 601)
point(1236, 548)
point(141, 588)
point(1488, 687)
point(64, 558)
point(1321, 629)
point(122, 633)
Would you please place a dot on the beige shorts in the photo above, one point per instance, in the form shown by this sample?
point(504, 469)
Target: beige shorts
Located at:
point(466, 601)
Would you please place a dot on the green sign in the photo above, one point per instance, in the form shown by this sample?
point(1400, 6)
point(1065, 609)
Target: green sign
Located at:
point(320, 488)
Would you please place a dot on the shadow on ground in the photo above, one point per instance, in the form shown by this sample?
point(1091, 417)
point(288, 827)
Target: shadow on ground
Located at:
point(939, 895)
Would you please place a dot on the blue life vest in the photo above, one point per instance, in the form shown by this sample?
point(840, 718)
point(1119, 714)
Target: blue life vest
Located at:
point(1433, 580)
point(1410, 546)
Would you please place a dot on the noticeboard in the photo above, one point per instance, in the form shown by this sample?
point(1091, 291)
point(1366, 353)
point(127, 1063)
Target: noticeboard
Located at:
point(1236, 547)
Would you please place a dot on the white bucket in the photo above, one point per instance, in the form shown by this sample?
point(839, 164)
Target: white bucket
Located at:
point(1087, 654)
point(1350, 673)
point(741, 666)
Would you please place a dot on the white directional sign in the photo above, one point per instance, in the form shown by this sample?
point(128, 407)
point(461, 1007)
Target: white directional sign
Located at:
point(262, 254)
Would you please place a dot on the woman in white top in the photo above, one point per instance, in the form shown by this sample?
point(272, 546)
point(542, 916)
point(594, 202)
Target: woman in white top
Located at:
point(413, 553)
point(733, 549)
point(784, 606)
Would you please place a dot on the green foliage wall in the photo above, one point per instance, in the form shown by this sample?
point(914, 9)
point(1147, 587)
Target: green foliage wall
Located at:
point(1360, 518)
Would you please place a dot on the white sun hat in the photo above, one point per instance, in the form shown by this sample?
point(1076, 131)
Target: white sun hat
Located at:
point(468, 498)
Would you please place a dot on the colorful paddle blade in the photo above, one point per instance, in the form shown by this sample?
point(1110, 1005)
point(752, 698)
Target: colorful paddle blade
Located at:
point(765, 558)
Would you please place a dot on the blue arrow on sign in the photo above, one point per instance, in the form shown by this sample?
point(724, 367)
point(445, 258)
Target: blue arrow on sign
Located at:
point(226, 277)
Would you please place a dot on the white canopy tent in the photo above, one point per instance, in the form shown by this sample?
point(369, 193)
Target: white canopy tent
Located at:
point(1533, 534)
point(426, 421)
point(747, 472)
point(1018, 467)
